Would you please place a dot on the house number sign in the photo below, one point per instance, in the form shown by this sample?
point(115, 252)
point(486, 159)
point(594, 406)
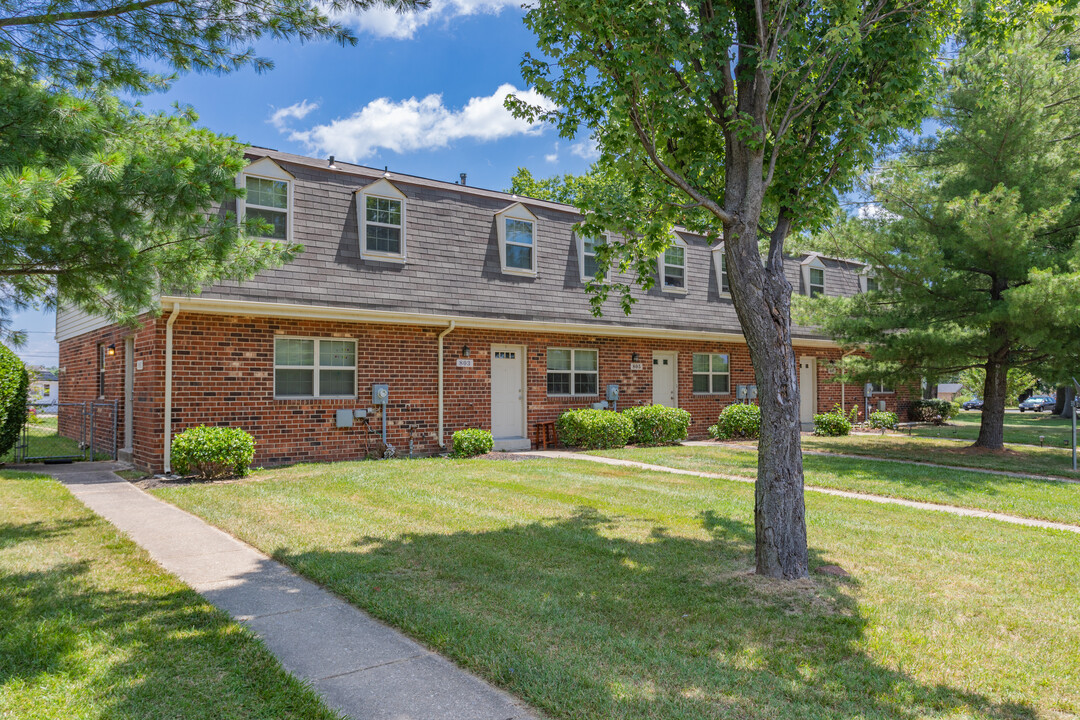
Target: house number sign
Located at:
point(464, 362)
point(635, 366)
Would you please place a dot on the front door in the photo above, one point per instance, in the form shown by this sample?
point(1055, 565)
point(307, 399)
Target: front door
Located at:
point(807, 389)
point(665, 379)
point(507, 391)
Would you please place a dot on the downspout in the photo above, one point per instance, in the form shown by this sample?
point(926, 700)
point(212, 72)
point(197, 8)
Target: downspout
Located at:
point(167, 465)
point(843, 385)
point(444, 333)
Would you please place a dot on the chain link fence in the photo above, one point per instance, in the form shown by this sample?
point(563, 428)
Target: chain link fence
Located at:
point(67, 431)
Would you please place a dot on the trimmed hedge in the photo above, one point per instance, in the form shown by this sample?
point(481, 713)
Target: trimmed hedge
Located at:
point(933, 410)
point(471, 442)
point(883, 420)
point(658, 424)
point(594, 429)
point(210, 453)
point(14, 390)
point(738, 422)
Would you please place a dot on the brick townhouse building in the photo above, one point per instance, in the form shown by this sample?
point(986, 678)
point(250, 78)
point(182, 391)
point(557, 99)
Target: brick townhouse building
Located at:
point(466, 306)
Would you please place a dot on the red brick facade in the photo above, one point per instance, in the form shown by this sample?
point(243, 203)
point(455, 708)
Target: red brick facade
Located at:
point(223, 374)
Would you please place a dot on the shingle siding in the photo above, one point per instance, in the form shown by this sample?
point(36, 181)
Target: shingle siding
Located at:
point(453, 266)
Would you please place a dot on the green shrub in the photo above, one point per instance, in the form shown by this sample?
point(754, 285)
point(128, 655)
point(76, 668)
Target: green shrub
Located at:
point(209, 453)
point(658, 424)
point(738, 422)
point(594, 429)
point(883, 420)
point(14, 389)
point(834, 423)
point(471, 442)
point(933, 410)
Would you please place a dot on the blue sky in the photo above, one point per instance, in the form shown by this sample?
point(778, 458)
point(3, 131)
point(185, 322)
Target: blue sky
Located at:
point(419, 93)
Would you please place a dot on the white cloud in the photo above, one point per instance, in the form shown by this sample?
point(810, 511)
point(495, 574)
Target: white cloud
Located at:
point(385, 22)
point(420, 124)
point(298, 111)
point(873, 211)
point(586, 149)
point(553, 156)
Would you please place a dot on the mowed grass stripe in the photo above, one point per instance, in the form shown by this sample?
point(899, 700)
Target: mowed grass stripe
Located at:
point(597, 592)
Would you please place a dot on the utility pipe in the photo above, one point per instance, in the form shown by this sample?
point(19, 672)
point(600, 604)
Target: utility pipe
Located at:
point(168, 387)
point(444, 333)
point(843, 385)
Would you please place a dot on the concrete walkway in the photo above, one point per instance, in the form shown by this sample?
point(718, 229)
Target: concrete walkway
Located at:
point(950, 509)
point(362, 668)
point(874, 458)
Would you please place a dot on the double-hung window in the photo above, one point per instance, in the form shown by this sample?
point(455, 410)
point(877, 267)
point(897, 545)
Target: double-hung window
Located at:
point(880, 387)
point(871, 284)
point(381, 212)
point(314, 368)
point(587, 256)
point(268, 200)
point(712, 373)
point(101, 354)
point(722, 266)
point(516, 229)
point(817, 281)
point(572, 372)
point(673, 269)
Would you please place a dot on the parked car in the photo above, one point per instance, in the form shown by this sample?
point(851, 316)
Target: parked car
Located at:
point(1037, 403)
point(973, 404)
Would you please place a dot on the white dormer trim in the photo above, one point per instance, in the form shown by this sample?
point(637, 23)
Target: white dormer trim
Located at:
point(719, 263)
point(579, 239)
point(267, 169)
point(385, 189)
point(865, 274)
point(517, 211)
point(813, 261)
point(680, 243)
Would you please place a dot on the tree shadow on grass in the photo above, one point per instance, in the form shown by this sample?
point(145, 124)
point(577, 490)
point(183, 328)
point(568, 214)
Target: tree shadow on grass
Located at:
point(106, 635)
point(593, 616)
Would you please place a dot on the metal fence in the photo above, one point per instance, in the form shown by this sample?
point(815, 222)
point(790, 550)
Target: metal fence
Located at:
point(66, 431)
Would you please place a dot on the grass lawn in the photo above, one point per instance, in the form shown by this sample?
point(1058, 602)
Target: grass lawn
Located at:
point(1045, 500)
point(1019, 428)
point(604, 592)
point(90, 627)
point(44, 441)
point(1015, 458)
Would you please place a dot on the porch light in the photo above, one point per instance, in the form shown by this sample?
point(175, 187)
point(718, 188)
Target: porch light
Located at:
point(464, 351)
point(634, 357)
point(112, 350)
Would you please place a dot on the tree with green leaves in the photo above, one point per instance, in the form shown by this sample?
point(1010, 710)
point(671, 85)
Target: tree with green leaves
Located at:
point(975, 238)
point(740, 120)
point(91, 42)
point(103, 207)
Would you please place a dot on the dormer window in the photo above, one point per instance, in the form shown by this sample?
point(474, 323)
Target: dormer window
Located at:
point(268, 197)
point(587, 256)
point(381, 212)
point(720, 264)
point(867, 280)
point(813, 275)
point(516, 228)
point(672, 266)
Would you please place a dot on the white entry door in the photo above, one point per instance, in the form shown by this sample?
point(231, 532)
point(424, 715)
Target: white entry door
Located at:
point(507, 392)
point(807, 389)
point(665, 379)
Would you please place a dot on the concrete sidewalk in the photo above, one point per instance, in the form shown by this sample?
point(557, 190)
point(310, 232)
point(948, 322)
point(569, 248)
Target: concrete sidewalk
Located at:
point(882, 499)
point(362, 668)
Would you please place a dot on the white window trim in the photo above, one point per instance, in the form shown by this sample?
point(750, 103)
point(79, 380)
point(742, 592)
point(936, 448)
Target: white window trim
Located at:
point(710, 374)
point(718, 266)
point(574, 372)
point(864, 274)
point(605, 238)
point(315, 368)
point(884, 391)
point(677, 242)
point(387, 191)
point(814, 261)
point(517, 211)
point(267, 169)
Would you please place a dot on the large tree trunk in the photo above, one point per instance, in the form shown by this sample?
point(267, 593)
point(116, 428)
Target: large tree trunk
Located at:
point(1063, 407)
point(762, 298)
point(992, 425)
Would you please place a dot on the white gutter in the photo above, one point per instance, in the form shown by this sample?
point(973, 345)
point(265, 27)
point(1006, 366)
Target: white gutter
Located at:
point(843, 385)
point(167, 465)
point(253, 308)
point(444, 333)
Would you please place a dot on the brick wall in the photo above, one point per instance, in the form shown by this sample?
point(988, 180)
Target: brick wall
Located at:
point(223, 375)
